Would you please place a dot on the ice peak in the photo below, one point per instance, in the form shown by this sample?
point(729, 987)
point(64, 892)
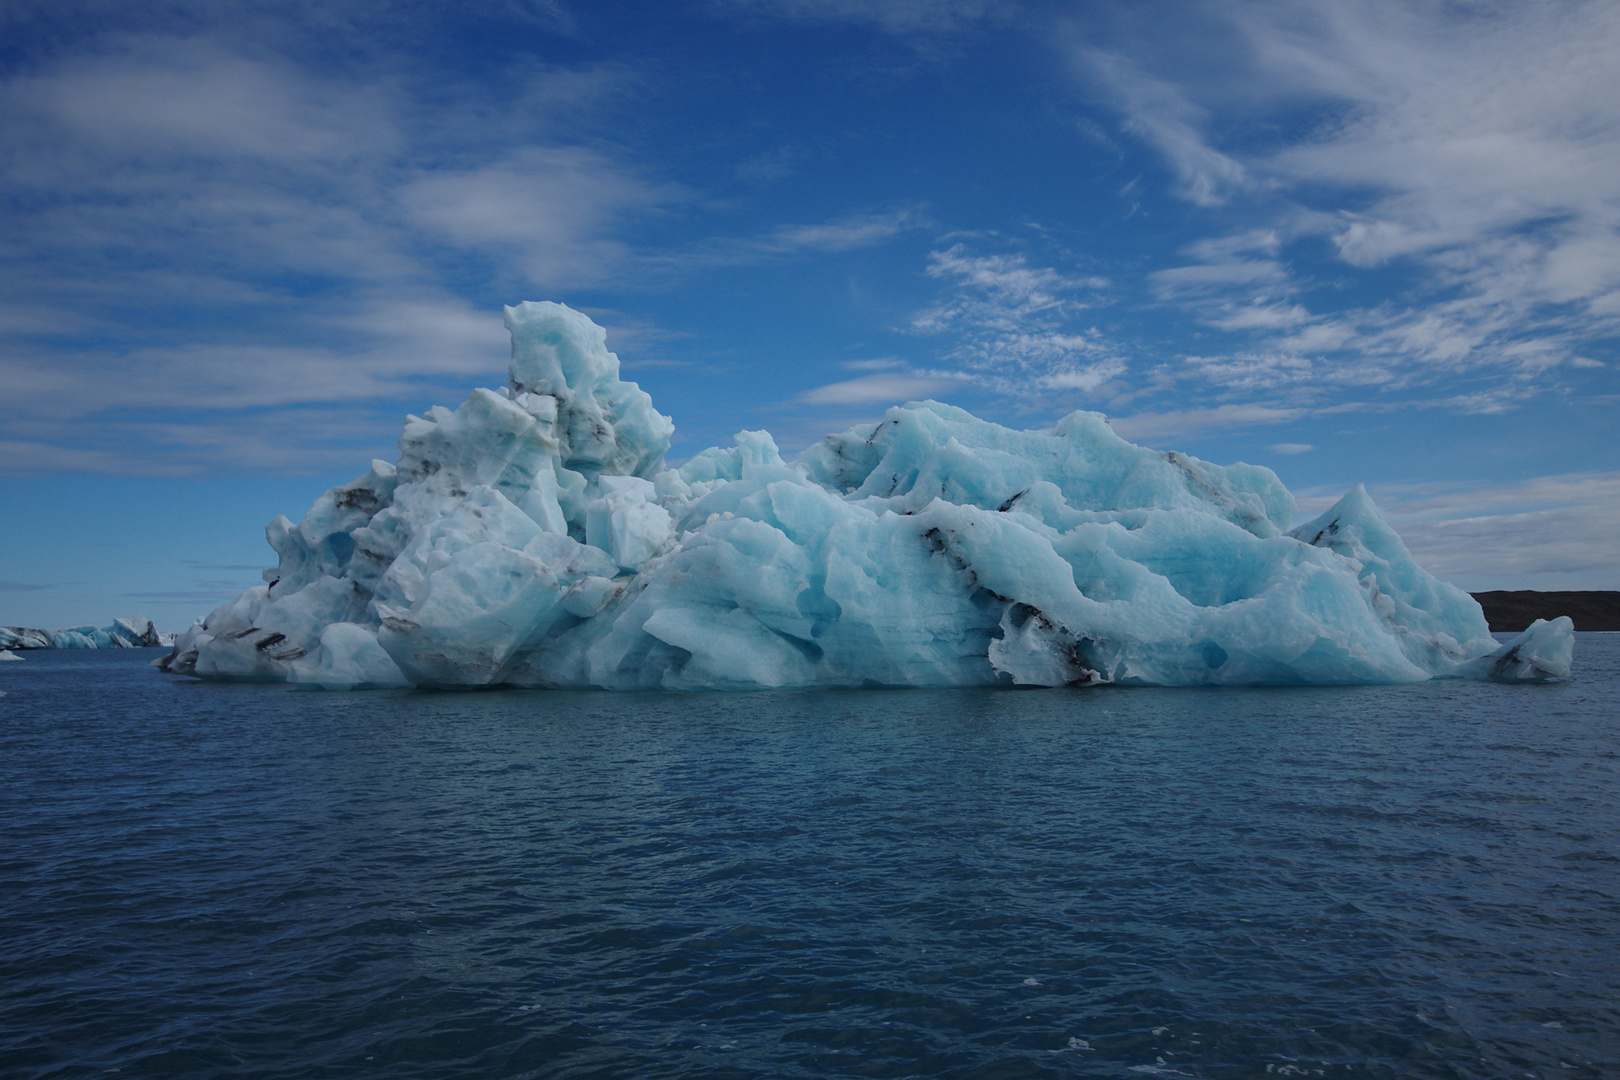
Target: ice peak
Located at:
point(557, 350)
point(603, 424)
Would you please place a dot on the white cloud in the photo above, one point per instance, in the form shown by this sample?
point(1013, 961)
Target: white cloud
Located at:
point(1014, 325)
point(208, 226)
point(1216, 277)
point(845, 235)
point(1261, 315)
point(1253, 370)
point(293, 440)
point(214, 223)
point(1154, 426)
point(1086, 379)
point(193, 99)
point(25, 457)
point(1160, 113)
point(889, 388)
point(1002, 290)
point(789, 240)
point(1473, 148)
point(548, 209)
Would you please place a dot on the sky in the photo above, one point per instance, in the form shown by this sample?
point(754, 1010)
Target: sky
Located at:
point(1373, 241)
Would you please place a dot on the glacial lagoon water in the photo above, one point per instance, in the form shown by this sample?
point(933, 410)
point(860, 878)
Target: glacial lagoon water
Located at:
point(250, 880)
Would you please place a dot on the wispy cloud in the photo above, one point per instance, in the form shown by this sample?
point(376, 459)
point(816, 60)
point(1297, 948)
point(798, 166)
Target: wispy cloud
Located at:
point(294, 222)
point(1472, 152)
point(546, 209)
point(1017, 328)
point(205, 227)
point(789, 240)
point(1182, 423)
point(887, 388)
point(1161, 113)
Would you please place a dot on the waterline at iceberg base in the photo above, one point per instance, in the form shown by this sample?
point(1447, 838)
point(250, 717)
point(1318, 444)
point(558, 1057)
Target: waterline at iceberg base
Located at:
point(534, 537)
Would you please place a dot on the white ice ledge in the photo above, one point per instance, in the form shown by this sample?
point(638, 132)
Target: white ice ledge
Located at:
point(534, 537)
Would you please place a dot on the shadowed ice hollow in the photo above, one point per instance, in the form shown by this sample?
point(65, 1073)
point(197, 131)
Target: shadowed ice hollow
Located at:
point(534, 537)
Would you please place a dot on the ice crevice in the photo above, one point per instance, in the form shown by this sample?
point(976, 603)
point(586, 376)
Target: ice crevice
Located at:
point(535, 537)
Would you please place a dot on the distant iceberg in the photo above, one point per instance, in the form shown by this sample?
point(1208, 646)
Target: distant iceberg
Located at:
point(132, 633)
point(534, 537)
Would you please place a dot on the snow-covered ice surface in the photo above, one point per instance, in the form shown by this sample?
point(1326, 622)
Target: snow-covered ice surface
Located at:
point(131, 633)
point(534, 537)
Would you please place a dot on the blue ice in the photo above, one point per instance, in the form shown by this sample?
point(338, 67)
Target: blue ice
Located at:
point(535, 537)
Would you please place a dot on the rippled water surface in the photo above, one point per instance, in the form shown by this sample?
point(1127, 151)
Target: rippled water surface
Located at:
point(210, 880)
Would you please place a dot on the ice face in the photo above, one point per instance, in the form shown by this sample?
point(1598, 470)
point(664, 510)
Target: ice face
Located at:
point(534, 537)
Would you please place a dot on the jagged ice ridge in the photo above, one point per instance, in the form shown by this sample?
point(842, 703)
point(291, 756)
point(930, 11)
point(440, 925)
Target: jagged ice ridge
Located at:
point(534, 537)
point(136, 632)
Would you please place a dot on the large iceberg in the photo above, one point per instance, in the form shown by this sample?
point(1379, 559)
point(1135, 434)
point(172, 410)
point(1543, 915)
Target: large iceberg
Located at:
point(534, 537)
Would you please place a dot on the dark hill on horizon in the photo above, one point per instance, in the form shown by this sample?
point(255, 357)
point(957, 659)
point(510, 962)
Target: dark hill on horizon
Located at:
point(1513, 610)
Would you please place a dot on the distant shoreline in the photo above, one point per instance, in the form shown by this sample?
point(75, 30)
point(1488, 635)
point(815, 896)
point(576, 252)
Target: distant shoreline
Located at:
point(1513, 610)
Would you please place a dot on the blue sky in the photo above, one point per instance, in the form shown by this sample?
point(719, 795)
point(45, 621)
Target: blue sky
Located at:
point(1374, 241)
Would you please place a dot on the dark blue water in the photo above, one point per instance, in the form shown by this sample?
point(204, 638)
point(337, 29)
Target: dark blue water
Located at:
point(210, 880)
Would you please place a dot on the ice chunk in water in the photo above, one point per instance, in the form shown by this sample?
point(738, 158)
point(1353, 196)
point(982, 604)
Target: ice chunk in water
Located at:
point(1541, 653)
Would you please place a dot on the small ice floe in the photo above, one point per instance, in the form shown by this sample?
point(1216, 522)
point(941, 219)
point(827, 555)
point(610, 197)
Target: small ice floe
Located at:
point(1032, 981)
point(7, 654)
point(1079, 1044)
point(1158, 1031)
point(1541, 654)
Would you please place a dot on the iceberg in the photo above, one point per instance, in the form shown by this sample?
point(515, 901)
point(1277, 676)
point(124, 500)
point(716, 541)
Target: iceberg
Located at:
point(534, 537)
point(21, 637)
point(132, 633)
